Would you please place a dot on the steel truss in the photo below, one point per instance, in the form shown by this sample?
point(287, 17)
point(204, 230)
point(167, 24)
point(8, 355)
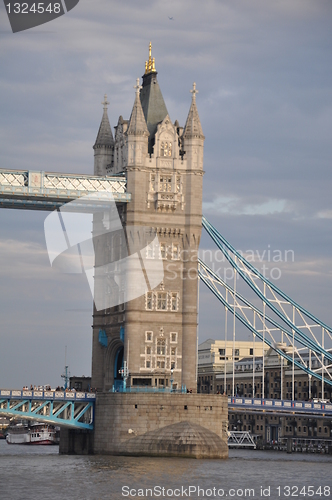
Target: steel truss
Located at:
point(39, 190)
point(240, 439)
point(289, 321)
point(75, 413)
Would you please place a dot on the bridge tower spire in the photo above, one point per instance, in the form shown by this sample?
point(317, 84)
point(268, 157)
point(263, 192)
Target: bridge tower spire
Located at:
point(104, 145)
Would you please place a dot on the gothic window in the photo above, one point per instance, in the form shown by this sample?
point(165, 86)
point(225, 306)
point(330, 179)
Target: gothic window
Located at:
point(149, 301)
point(161, 347)
point(148, 336)
point(178, 184)
point(162, 301)
point(163, 251)
point(160, 364)
point(149, 251)
point(148, 364)
point(165, 184)
point(175, 251)
point(174, 301)
point(166, 149)
point(173, 351)
point(148, 350)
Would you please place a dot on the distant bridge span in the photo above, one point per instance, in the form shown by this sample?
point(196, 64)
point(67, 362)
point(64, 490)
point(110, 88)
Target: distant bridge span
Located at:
point(280, 407)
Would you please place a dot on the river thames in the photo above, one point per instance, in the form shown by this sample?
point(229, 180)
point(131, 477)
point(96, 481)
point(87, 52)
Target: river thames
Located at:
point(39, 472)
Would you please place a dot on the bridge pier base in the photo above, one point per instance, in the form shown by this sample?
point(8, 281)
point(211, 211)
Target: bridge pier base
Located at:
point(154, 424)
point(76, 442)
point(289, 445)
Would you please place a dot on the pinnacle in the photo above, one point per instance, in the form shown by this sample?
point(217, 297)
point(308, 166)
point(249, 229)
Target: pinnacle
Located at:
point(137, 124)
point(193, 127)
point(105, 136)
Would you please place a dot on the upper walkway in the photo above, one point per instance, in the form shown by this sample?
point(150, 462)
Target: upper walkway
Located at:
point(38, 190)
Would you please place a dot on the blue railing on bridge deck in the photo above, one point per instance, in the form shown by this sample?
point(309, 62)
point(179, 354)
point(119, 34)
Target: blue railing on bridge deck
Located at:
point(49, 395)
point(280, 405)
point(162, 390)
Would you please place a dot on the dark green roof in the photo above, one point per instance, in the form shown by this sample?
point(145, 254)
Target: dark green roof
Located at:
point(153, 104)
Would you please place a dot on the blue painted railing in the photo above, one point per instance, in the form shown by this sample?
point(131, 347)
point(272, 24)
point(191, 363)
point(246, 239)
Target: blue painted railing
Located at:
point(280, 405)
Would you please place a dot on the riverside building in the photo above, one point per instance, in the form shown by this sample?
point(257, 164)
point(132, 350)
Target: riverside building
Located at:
point(277, 380)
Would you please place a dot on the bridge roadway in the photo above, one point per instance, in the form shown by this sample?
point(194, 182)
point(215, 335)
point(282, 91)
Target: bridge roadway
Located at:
point(76, 409)
point(279, 407)
point(67, 409)
point(39, 190)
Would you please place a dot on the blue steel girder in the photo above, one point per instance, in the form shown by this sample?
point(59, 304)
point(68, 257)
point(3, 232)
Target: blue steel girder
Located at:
point(259, 335)
point(70, 418)
point(75, 410)
point(217, 279)
point(227, 249)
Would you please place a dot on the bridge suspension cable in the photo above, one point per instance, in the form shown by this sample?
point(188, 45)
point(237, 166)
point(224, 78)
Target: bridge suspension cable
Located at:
point(298, 323)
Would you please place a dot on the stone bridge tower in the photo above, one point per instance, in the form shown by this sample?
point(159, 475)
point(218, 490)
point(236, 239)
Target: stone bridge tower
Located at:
point(156, 333)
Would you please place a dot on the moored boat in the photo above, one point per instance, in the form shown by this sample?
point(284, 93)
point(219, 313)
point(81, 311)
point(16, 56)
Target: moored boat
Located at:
point(36, 433)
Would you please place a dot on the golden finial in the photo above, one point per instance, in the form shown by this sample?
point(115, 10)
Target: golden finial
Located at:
point(150, 65)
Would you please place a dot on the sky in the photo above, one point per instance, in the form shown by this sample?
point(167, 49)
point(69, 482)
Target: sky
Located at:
point(264, 75)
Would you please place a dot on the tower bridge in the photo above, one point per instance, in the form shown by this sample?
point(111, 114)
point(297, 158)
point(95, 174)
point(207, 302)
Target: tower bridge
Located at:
point(153, 169)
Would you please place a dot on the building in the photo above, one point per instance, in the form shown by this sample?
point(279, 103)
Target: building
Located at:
point(81, 384)
point(279, 380)
point(152, 336)
point(215, 358)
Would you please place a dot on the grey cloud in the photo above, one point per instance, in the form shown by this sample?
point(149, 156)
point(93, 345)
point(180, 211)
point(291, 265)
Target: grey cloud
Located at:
point(263, 71)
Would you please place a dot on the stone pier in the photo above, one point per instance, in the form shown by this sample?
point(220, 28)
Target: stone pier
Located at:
point(185, 425)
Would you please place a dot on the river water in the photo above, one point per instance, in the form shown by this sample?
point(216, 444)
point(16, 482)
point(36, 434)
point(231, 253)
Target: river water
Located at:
point(40, 473)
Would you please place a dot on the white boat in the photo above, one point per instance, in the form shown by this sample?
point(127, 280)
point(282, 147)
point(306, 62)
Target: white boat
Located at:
point(36, 433)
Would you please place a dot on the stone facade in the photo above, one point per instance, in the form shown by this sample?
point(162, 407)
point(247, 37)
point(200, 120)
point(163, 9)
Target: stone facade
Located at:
point(163, 164)
point(191, 425)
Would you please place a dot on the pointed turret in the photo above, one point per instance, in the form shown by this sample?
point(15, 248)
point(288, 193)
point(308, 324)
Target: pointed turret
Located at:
point(193, 127)
point(153, 103)
point(137, 132)
point(137, 124)
point(105, 136)
point(104, 144)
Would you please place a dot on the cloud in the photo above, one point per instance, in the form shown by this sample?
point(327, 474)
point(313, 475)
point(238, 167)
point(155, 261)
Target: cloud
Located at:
point(233, 206)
